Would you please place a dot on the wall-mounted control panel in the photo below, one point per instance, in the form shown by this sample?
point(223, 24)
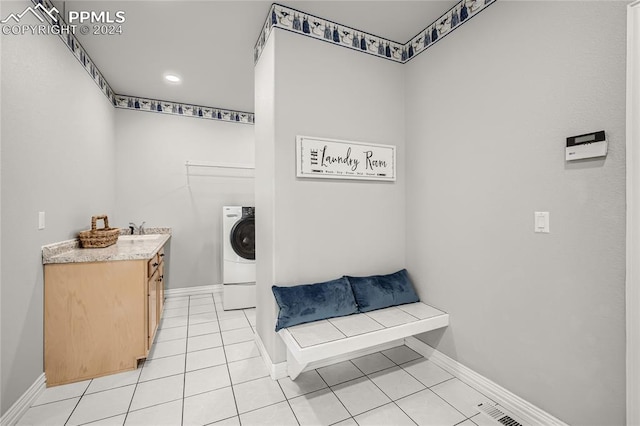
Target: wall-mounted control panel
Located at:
point(589, 145)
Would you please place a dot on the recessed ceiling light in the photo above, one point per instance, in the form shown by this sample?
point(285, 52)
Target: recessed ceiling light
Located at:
point(172, 78)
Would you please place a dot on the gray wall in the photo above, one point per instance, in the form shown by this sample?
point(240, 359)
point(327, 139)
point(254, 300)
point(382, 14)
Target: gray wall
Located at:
point(488, 110)
point(57, 157)
point(322, 229)
point(151, 185)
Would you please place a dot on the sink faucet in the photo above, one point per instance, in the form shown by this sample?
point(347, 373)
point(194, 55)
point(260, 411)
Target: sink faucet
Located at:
point(133, 227)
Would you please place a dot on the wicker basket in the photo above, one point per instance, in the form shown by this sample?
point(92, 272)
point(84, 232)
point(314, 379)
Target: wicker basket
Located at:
point(98, 238)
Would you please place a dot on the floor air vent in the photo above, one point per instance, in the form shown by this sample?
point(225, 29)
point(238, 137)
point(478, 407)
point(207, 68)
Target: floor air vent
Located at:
point(499, 416)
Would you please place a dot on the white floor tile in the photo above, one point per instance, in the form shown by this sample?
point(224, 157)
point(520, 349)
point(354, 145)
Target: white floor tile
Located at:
point(114, 381)
point(340, 372)
point(206, 380)
point(307, 382)
point(234, 323)
point(158, 391)
point(257, 394)
point(201, 309)
point(58, 393)
point(168, 348)
point(110, 421)
point(203, 317)
point(222, 315)
point(396, 383)
point(401, 354)
point(165, 334)
point(205, 358)
point(239, 351)
point(168, 414)
point(388, 414)
point(231, 421)
point(205, 300)
point(210, 398)
point(428, 409)
point(171, 303)
point(480, 420)
point(349, 422)
point(209, 407)
point(173, 322)
point(372, 363)
point(319, 408)
point(461, 396)
point(426, 371)
point(204, 341)
point(237, 336)
point(175, 312)
point(247, 369)
point(102, 405)
point(276, 415)
point(203, 328)
point(162, 367)
point(360, 395)
point(52, 414)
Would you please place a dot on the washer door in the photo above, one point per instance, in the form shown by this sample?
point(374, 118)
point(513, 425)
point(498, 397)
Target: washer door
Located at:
point(243, 238)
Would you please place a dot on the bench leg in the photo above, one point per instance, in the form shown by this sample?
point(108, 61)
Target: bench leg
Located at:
point(294, 368)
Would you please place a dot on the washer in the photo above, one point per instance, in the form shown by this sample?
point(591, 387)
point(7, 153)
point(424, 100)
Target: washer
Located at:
point(239, 257)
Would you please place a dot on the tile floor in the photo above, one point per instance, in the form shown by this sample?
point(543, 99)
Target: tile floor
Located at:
point(204, 368)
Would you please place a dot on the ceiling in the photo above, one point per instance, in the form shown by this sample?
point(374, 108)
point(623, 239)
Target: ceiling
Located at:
point(210, 43)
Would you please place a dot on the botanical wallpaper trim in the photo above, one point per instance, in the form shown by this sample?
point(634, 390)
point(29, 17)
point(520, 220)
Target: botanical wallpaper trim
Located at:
point(312, 26)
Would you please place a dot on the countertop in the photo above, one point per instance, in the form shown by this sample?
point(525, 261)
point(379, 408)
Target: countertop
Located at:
point(128, 247)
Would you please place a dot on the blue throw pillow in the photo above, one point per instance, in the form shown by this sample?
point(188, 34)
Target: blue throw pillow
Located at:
point(312, 302)
point(382, 291)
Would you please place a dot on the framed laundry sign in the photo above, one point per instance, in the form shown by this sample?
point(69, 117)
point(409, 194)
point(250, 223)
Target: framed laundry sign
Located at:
point(336, 159)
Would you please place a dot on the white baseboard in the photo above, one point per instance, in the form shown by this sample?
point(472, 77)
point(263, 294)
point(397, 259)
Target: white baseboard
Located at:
point(20, 407)
point(276, 371)
point(524, 410)
point(186, 291)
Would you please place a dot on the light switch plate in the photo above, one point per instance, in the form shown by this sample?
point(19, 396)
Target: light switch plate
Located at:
point(541, 222)
point(40, 220)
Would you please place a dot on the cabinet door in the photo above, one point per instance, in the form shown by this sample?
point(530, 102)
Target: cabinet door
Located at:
point(160, 289)
point(152, 293)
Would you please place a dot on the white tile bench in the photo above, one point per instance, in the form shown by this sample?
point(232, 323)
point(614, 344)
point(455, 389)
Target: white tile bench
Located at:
point(310, 343)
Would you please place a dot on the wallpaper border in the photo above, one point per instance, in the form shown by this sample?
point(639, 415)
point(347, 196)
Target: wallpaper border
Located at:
point(136, 102)
point(305, 24)
point(288, 19)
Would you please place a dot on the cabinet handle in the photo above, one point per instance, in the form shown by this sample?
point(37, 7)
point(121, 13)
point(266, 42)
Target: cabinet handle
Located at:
point(162, 255)
point(155, 264)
